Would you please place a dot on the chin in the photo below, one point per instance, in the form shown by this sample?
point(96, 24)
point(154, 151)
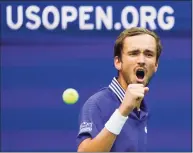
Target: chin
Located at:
point(145, 82)
point(141, 83)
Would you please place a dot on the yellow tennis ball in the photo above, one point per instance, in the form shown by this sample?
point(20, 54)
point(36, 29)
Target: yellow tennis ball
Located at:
point(70, 96)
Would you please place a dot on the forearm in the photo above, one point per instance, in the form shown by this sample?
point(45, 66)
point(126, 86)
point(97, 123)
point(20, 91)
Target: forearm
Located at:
point(103, 142)
point(105, 139)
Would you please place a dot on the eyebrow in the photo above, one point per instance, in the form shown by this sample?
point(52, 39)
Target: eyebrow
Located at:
point(138, 50)
point(148, 50)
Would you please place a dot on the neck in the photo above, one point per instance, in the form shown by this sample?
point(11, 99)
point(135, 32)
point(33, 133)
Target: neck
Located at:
point(122, 82)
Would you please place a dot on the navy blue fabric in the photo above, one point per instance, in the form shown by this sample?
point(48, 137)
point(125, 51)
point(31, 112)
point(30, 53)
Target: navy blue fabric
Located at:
point(99, 108)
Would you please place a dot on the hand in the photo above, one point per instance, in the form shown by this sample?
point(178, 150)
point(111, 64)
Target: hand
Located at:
point(133, 97)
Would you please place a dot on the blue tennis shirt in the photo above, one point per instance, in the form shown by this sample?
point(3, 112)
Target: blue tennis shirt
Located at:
point(98, 109)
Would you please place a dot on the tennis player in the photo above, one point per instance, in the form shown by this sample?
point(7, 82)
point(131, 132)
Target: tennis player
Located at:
point(115, 118)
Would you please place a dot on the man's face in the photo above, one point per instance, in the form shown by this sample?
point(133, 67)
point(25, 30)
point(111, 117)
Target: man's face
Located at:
point(138, 61)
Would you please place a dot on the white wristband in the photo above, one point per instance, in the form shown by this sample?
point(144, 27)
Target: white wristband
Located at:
point(116, 122)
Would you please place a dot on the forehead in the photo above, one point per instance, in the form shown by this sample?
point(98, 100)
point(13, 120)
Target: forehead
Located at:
point(141, 42)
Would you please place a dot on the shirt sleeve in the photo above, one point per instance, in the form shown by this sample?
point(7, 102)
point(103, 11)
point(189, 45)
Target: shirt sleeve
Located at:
point(90, 121)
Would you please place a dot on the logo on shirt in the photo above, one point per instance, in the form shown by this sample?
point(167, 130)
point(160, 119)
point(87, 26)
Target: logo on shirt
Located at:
point(85, 127)
point(145, 129)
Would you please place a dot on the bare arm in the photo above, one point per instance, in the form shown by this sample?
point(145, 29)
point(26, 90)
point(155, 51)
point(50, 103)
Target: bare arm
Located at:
point(103, 142)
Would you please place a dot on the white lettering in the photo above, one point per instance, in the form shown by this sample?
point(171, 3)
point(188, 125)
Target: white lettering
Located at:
point(101, 17)
point(9, 17)
point(30, 14)
point(89, 17)
point(56, 17)
point(135, 17)
point(66, 18)
point(170, 19)
point(83, 16)
point(150, 19)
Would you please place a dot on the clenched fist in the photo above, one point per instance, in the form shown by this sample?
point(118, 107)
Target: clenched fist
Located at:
point(133, 97)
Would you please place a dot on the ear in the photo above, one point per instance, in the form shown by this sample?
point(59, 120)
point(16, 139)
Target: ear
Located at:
point(156, 66)
point(117, 63)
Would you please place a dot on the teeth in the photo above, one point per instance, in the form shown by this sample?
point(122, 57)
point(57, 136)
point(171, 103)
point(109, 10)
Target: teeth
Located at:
point(140, 70)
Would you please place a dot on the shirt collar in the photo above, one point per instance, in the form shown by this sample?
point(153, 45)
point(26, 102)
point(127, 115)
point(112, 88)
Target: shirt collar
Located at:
point(117, 89)
point(120, 92)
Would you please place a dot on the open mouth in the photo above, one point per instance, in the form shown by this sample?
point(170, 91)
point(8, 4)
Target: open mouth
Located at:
point(140, 73)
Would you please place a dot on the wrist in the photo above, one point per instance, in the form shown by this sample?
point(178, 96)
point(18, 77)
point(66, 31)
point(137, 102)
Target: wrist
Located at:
point(125, 110)
point(116, 122)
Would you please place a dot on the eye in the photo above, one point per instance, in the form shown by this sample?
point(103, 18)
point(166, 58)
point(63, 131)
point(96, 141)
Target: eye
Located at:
point(149, 54)
point(133, 53)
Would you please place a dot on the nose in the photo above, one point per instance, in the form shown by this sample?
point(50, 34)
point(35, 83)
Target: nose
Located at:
point(141, 60)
